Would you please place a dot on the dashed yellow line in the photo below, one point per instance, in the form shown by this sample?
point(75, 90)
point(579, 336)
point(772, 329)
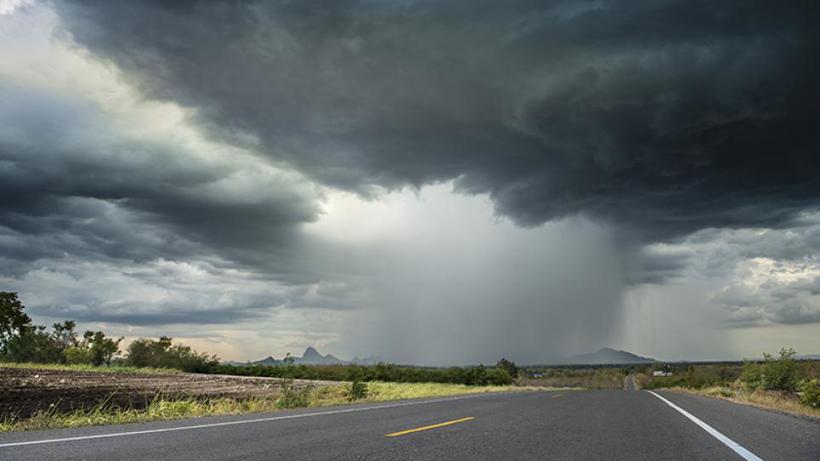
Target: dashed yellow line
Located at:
point(557, 395)
point(432, 426)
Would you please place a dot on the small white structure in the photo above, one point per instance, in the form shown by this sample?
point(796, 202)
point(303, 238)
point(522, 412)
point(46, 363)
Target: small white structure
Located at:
point(661, 373)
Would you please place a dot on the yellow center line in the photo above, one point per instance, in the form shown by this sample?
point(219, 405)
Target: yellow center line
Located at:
point(432, 426)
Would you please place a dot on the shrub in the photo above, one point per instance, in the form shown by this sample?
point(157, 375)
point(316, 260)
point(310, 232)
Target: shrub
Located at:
point(356, 390)
point(292, 397)
point(810, 393)
point(498, 377)
point(77, 355)
point(780, 373)
point(752, 375)
point(509, 366)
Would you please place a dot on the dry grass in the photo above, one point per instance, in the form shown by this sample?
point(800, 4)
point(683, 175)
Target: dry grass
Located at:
point(380, 392)
point(585, 378)
point(769, 400)
point(320, 396)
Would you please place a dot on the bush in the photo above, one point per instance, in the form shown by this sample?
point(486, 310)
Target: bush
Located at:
point(780, 373)
point(752, 375)
point(498, 377)
point(77, 355)
point(292, 397)
point(508, 366)
point(810, 393)
point(356, 390)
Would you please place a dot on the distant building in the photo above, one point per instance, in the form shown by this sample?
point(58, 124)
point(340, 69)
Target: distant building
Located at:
point(661, 373)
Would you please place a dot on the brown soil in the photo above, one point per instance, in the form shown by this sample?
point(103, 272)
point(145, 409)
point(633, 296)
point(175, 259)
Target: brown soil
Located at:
point(23, 392)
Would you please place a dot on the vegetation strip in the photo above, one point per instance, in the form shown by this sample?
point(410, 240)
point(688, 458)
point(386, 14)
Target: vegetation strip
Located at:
point(432, 426)
point(233, 423)
point(285, 397)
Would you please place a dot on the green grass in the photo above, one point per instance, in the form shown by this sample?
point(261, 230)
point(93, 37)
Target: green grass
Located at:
point(320, 396)
point(87, 368)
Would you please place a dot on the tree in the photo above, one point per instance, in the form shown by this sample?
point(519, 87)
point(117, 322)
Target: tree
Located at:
point(162, 353)
point(33, 344)
point(13, 321)
point(508, 366)
point(101, 349)
point(64, 334)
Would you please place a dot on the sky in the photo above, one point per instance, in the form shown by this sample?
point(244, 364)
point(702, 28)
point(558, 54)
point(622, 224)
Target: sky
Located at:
point(427, 182)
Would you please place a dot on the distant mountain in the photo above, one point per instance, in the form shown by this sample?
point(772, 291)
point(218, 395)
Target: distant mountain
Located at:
point(369, 360)
point(607, 356)
point(313, 357)
point(267, 361)
point(310, 357)
point(809, 357)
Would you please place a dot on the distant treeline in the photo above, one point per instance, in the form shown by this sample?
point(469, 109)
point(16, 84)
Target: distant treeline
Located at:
point(471, 376)
point(23, 341)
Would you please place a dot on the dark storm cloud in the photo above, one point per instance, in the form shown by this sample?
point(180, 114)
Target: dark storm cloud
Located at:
point(658, 267)
point(150, 314)
point(72, 184)
point(668, 116)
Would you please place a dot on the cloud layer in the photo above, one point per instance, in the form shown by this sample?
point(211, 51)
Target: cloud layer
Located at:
point(669, 116)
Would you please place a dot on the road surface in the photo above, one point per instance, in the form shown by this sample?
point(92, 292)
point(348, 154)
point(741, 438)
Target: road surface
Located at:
point(629, 382)
point(561, 425)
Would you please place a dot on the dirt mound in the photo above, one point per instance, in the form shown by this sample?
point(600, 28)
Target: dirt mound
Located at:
point(25, 391)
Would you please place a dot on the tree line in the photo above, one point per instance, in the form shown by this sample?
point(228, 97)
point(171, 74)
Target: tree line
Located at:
point(23, 341)
point(503, 373)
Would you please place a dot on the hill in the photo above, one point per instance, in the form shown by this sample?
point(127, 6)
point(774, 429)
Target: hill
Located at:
point(607, 356)
point(310, 357)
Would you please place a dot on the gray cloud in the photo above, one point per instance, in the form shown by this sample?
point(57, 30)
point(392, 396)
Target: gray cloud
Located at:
point(669, 116)
point(762, 276)
point(71, 184)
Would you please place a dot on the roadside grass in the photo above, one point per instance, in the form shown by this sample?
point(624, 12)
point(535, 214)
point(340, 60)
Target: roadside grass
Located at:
point(768, 400)
point(192, 407)
point(381, 391)
point(88, 368)
point(586, 378)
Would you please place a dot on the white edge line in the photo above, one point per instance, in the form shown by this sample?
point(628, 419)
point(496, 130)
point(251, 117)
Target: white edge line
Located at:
point(736, 447)
point(244, 421)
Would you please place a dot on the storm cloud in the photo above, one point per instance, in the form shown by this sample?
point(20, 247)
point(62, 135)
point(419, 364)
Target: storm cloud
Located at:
point(668, 116)
point(429, 181)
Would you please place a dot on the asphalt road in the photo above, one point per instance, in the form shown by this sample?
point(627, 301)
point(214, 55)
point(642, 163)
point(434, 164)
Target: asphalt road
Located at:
point(629, 382)
point(561, 425)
